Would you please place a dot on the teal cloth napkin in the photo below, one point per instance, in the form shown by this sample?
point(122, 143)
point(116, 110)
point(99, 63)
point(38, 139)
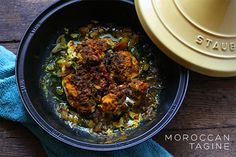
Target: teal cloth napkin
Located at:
point(11, 108)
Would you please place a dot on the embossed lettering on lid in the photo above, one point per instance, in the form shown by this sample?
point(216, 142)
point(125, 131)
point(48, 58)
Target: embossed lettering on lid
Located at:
point(200, 35)
point(216, 18)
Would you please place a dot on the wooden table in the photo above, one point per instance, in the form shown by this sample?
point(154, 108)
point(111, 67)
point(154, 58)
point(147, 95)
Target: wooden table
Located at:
point(208, 109)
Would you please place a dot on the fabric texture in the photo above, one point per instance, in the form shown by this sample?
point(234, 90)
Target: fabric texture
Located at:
point(12, 108)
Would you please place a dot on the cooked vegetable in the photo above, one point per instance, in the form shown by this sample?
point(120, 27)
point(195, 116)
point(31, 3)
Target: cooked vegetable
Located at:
point(104, 78)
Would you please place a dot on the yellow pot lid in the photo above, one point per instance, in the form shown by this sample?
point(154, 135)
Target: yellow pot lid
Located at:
point(200, 34)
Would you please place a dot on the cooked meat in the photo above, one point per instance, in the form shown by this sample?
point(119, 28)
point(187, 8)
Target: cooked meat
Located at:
point(124, 66)
point(114, 101)
point(92, 51)
point(109, 103)
point(78, 96)
point(70, 88)
point(102, 72)
point(138, 85)
point(120, 97)
point(84, 89)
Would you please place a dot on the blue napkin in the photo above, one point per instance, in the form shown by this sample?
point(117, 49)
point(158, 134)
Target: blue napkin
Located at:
point(11, 108)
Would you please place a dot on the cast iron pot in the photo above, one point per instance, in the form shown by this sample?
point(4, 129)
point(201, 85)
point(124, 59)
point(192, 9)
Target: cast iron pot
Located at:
point(35, 48)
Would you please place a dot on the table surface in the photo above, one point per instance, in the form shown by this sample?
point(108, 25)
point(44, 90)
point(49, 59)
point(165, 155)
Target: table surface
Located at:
point(208, 109)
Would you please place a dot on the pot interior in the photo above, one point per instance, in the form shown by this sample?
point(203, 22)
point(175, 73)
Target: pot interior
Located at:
point(37, 45)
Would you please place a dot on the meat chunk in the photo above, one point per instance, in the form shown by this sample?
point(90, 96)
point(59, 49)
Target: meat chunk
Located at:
point(84, 89)
point(124, 66)
point(139, 86)
point(89, 51)
point(78, 96)
point(70, 89)
point(92, 51)
point(109, 103)
point(114, 101)
point(113, 104)
point(120, 97)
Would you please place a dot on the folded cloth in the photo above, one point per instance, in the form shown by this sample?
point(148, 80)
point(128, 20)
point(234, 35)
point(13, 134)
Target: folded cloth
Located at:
point(11, 108)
